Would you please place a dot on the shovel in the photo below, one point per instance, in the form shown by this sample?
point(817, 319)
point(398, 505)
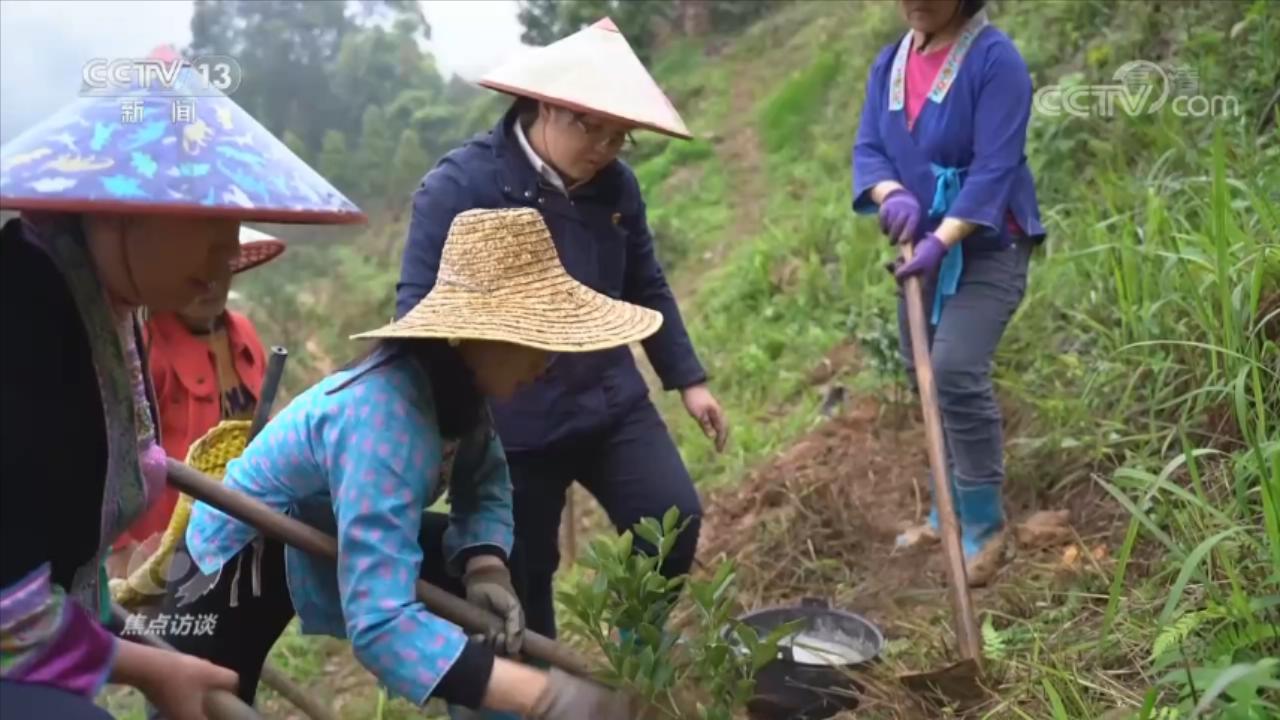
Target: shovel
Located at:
point(960, 681)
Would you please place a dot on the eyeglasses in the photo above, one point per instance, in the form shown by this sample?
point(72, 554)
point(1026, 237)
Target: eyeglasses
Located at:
point(601, 136)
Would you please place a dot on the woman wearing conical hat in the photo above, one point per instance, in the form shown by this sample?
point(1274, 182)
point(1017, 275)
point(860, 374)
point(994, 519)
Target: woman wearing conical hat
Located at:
point(207, 363)
point(589, 418)
point(364, 452)
point(121, 208)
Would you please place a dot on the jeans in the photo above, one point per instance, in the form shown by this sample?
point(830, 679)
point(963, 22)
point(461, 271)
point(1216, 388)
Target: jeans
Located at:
point(961, 348)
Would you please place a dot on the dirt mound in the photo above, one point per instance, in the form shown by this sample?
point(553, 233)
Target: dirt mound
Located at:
point(820, 520)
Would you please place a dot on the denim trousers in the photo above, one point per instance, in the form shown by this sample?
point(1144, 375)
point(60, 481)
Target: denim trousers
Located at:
point(962, 347)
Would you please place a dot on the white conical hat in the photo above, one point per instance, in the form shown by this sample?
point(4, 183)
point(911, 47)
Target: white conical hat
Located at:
point(593, 70)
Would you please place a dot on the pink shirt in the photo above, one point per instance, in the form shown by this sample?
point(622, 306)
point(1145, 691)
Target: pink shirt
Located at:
point(921, 71)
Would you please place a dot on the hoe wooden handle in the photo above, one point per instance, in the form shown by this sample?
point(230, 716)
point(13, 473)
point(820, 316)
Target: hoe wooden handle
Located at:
point(967, 637)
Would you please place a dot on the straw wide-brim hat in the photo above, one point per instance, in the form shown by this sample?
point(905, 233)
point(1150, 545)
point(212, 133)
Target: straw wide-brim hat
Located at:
point(594, 71)
point(500, 279)
point(256, 248)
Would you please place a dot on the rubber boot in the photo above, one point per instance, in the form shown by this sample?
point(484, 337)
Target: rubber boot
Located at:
point(982, 530)
point(929, 533)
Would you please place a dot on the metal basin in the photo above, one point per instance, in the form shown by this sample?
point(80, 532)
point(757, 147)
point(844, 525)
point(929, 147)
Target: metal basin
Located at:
point(811, 677)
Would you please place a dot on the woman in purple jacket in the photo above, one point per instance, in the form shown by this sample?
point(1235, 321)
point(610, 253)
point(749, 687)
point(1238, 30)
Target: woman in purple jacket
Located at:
point(940, 157)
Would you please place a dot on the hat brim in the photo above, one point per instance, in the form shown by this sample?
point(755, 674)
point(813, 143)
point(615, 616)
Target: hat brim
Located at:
point(253, 254)
point(679, 134)
point(565, 317)
point(119, 207)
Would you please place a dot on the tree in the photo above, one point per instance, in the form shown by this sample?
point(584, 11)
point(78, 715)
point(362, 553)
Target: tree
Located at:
point(297, 145)
point(408, 167)
point(731, 15)
point(374, 66)
point(541, 20)
point(402, 14)
point(546, 21)
point(287, 50)
point(694, 17)
point(334, 160)
point(375, 154)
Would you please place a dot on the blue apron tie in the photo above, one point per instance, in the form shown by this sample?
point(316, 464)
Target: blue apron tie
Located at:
point(947, 182)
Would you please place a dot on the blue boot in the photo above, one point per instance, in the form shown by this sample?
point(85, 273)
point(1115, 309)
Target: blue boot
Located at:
point(931, 531)
point(981, 516)
point(934, 521)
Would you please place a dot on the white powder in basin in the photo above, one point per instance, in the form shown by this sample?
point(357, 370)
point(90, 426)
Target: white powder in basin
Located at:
point(809, 648)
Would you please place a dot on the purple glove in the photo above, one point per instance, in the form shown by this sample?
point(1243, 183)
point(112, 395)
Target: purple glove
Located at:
point(926, 260)
point(899, 216)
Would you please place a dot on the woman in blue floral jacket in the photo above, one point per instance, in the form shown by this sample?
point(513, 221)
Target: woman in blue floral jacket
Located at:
point(366, 451)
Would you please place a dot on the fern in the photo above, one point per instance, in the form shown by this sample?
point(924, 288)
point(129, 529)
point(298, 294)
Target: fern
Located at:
point(1233, 638)
point(993, 641)
point(1176, 634)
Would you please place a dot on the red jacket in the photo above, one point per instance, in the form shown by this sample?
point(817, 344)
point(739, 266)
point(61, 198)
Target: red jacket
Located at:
point(187, 392)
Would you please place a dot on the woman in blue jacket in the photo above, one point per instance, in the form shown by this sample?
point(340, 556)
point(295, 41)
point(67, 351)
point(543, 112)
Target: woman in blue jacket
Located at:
point(589, 418)
point(940, 156)
point(363, 453)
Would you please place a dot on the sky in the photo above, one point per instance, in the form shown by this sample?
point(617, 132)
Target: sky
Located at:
point(44, 45)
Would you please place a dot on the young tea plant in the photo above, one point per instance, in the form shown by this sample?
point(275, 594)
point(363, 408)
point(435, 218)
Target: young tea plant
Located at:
point(622, 604)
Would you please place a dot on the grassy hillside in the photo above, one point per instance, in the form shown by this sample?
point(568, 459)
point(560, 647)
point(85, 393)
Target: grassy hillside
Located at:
point(1143, 360)
point(1143, 364)
point(769, 297)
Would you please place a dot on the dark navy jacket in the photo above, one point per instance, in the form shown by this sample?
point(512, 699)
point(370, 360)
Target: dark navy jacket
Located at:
point(604, 242)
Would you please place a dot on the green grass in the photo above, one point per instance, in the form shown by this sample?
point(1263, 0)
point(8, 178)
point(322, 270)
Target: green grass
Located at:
point(1141, 350)
point(787, 117)
point(688, 215)
point(1144, 354)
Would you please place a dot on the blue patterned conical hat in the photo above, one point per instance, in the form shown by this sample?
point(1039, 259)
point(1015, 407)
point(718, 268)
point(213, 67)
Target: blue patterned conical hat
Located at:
point(185, 149)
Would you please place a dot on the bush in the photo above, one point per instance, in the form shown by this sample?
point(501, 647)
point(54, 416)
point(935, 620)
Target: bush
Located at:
point(624, 592)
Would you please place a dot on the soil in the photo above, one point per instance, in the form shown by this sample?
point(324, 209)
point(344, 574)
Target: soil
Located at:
point(823, 516)
point(820, 521)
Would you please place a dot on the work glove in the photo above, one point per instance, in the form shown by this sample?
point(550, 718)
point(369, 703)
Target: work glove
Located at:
point(928, 256)
point(489, 586)
point(899, 216)
point(571, 698)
